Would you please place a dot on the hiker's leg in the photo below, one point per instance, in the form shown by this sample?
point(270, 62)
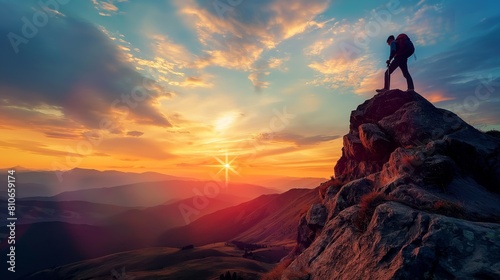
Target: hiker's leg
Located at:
point(388, 72)
point(387, 79)
point(404, 68)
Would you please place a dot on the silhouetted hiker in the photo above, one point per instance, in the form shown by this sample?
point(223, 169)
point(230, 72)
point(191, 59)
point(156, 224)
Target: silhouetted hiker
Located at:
point(401, 49)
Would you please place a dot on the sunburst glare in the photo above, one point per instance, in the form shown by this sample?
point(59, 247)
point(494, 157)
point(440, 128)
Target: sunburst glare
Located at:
point(226, 167)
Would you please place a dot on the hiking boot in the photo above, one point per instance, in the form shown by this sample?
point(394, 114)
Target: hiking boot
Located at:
point(381, 90)
point(410, 90)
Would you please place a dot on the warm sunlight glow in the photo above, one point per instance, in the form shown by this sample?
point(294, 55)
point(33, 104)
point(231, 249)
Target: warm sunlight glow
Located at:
point(184, 81)
point(225, 122)
point(226, 167)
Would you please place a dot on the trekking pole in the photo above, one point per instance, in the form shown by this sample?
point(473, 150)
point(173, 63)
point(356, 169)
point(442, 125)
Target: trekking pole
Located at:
point(387, 72)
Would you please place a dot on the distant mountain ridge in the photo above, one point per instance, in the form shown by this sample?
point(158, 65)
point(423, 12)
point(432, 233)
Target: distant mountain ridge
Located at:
point(147, 194)
point(47, 183)
point(74, 212)
point(286, 183)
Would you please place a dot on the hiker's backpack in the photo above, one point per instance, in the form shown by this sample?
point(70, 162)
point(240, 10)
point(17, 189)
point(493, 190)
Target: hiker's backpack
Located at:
point(405, 46)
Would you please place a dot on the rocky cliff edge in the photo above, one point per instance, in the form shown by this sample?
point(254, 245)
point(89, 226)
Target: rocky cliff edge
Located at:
point(416, 195)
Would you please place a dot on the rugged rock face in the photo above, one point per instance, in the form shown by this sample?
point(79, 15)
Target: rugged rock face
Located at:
point(419, 199)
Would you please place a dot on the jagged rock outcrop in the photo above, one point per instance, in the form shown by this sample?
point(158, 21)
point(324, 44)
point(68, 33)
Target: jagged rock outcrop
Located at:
point(419, 199)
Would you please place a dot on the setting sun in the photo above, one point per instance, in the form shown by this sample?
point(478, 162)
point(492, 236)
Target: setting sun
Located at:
point(226, 167)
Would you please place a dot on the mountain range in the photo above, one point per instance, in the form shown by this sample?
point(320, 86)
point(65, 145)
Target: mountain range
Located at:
point(268, 219)
point(415, 196)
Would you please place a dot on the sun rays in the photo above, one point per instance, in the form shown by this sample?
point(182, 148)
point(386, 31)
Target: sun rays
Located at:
point(226, 166)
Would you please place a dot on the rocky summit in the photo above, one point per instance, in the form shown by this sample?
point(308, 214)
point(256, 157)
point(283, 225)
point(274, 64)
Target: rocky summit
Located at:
point(416, 195)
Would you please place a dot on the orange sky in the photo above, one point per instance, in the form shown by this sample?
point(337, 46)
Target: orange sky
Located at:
point(170, 86)
point(249, 156)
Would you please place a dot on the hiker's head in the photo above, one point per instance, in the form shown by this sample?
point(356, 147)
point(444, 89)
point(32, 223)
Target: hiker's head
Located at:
point(390, 39)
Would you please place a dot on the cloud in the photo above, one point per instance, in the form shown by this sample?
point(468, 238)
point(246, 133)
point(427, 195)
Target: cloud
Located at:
point(134, 147)
point(73, 68)
point(487, 24)
point(298, 140)
point(318, 47)
point(106, 7)
point(340, 53)
point(257, 80)
point(463, 70)
point(135, 133)
point(484, 115)
point(194, 81)
point(430, 22)
point(239, 37)
point(174, 57)
point(35, 148)
point(340, 71)
point(374, 80)
point(261, 70)
point(172, 64)
point(61, 135)
point(48, 122)
point(436, 96)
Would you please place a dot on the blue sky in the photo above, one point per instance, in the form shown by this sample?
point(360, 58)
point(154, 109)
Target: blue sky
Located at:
point(271, 83)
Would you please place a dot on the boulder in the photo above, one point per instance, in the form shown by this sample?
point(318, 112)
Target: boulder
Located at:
point(316, 216)
point(375, 142)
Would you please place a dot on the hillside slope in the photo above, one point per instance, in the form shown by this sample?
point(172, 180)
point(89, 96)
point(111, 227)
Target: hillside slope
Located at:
point(207, 262)
point(148, 224)
point(266, 219)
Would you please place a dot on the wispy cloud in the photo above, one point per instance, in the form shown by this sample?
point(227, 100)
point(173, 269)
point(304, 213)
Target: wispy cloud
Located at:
point(430, 22)
point(340, 62)
point(135, 133)
point(107, 7)
point(51, 123)
point(34, 148)
point(262, 69)
point(340, 71)
point(461, 70)
point(298, 140)
point(172, 64)
point(135, 147)
point(240, 38)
